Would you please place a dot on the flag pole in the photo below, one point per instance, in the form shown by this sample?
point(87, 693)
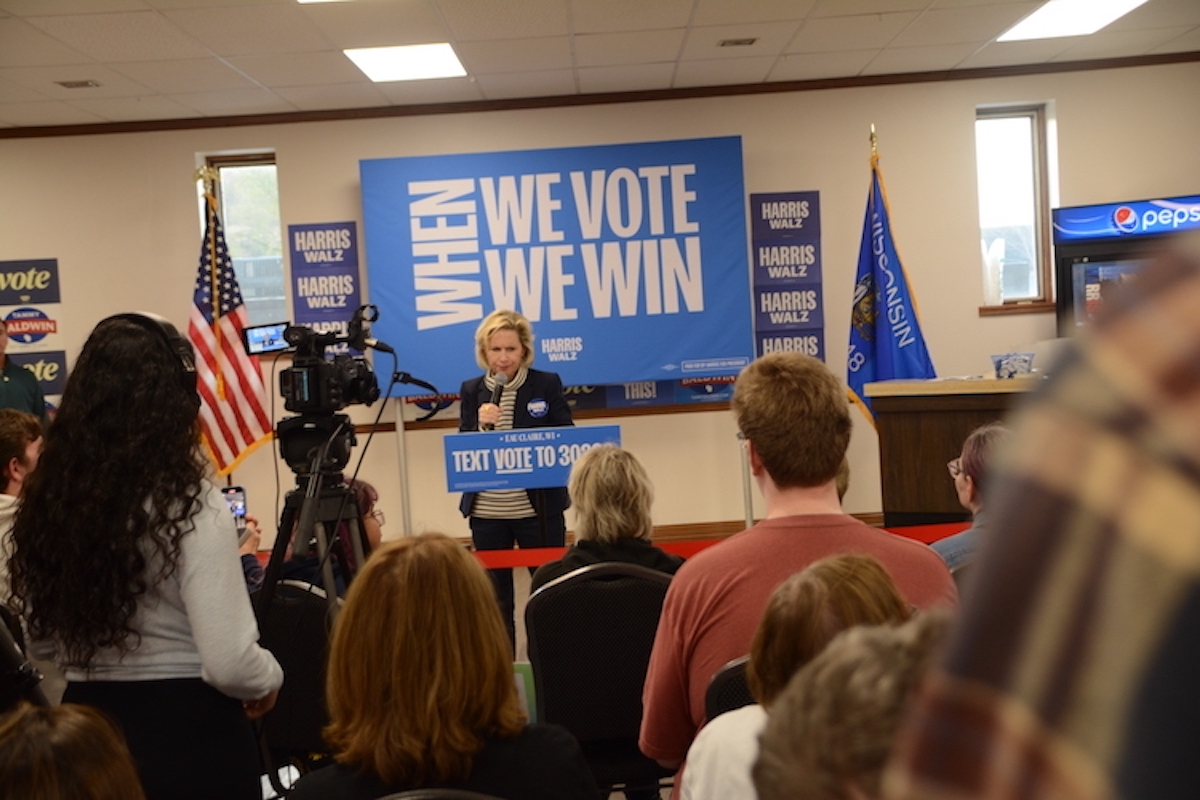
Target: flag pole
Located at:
point(211, 176)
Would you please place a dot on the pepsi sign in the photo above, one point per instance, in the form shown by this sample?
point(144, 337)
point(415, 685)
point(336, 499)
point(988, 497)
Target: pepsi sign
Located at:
point(1120, 220)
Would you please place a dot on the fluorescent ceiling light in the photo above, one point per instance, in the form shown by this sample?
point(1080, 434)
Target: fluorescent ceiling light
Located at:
point(414, 62)
point(1069, 18)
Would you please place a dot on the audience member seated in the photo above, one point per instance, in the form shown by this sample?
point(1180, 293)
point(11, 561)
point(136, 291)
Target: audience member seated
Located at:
point(969, 472)
point(802, 616)
point(421, 692)
point(829, 733)
point(611, 494)
point(66, 752)
point(795, 419)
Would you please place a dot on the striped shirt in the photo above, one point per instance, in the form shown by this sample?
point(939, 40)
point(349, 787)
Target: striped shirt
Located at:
point(508, 503)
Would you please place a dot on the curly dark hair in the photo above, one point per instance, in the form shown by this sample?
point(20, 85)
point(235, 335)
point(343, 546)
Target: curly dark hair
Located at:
point(118, 482)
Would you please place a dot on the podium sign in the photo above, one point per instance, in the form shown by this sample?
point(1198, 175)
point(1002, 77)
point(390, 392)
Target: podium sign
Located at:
point(527, 458)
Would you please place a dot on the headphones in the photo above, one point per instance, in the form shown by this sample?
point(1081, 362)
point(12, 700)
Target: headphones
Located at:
point(179, 346)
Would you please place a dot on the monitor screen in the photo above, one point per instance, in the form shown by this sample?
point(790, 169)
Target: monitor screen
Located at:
point(260, 339)
point(1094, 279)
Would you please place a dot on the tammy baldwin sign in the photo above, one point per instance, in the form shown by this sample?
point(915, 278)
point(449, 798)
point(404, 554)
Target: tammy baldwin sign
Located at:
point(630, 260)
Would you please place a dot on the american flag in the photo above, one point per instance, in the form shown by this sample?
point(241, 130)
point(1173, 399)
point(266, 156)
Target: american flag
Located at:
point(233, 400)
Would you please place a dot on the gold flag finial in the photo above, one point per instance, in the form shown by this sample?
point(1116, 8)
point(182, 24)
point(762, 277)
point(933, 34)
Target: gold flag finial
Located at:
point(874, 141)
point(209, 175)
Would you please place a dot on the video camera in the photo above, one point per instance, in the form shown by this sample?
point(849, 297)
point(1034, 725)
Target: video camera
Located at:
point(314, 384)
point(315, 387)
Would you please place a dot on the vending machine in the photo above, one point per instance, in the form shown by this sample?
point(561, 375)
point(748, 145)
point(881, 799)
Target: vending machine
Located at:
point(1098, 247)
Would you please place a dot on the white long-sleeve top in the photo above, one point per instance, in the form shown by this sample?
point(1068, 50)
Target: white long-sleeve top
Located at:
point(198, 622)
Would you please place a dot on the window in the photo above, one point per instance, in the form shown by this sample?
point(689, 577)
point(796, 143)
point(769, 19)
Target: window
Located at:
point(248, 202)
point(1012, 157)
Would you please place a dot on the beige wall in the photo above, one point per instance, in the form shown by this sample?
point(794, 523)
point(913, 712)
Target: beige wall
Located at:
point(119, 213)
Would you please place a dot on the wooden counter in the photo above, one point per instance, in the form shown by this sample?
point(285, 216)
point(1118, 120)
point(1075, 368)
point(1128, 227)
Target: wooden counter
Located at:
point(922, 425)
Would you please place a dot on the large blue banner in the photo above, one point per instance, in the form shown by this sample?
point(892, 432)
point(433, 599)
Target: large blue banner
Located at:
point(629, 260)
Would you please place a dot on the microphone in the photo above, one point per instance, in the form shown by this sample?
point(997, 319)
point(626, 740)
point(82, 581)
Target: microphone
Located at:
point(359, 333)
point(500, 379)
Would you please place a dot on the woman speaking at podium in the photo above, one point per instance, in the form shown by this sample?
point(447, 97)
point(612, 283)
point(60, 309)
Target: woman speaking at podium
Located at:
point(511, 395)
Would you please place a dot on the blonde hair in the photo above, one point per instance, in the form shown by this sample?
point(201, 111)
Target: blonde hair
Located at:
point(503, 320)
point(66, 752)
point(810, 608)
point(420, 667)
point(796, 414)
point(612, 495)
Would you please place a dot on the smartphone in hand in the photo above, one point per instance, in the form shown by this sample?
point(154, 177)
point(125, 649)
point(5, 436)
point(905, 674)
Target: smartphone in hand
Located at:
point(235, 496)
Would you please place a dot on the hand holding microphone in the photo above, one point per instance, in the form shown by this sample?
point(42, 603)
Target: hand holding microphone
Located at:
point(489, 413)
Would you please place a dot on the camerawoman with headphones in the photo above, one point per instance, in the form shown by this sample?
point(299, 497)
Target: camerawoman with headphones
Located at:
point(126, 564)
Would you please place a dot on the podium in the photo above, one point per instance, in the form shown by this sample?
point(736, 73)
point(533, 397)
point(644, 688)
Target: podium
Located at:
point(922, 425)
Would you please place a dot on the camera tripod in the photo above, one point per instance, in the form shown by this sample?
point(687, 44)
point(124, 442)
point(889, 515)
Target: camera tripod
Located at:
point(322, 512)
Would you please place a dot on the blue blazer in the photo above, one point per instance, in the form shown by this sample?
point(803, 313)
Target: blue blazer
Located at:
point(538, 387)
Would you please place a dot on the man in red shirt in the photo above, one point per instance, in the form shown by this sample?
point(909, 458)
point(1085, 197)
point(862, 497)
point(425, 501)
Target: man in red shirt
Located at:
point(794, 418)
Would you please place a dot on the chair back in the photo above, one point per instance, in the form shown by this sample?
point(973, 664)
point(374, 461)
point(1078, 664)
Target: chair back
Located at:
point(296, 630)
point(18, 678)
point(439, 794)
point(590, 634)
point(728, 690)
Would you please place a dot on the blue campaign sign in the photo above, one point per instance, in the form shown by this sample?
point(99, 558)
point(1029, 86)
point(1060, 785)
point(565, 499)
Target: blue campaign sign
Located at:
point(785, 263)
point(529, 458)
point(50, 368)
point(1120, 220)
point(779, 308)
point(33, 281)
point(808, 342)
point(630, 260)
point(324, 260)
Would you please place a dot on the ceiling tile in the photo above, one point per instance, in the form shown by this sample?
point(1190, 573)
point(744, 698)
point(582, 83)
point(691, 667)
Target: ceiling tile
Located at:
point(935, 58)
point(121, 36)
point(233, 102)
point(489, 19)
point(1185, 43)
point(191, 75)
point(345, 95)
point(631, 78)
point(45, 80)
point(544, 83)
point(48, 113)
point(129, 109)
point(442, 90)
point(251, 30)
point(844, 8)
point(515, 55)
point(46, 8)
point(612, 49)
point(726, 12)
point(723, 71)
point(16, 93)
point(1110, 44)
point(862, 32)
point(961, 25)
point(999, 54)
point(590, 16)
point(1159, 14)
point(378, 24)
point(705, 43)
point(814, 66)
point(23, 45)
point(300, 69)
